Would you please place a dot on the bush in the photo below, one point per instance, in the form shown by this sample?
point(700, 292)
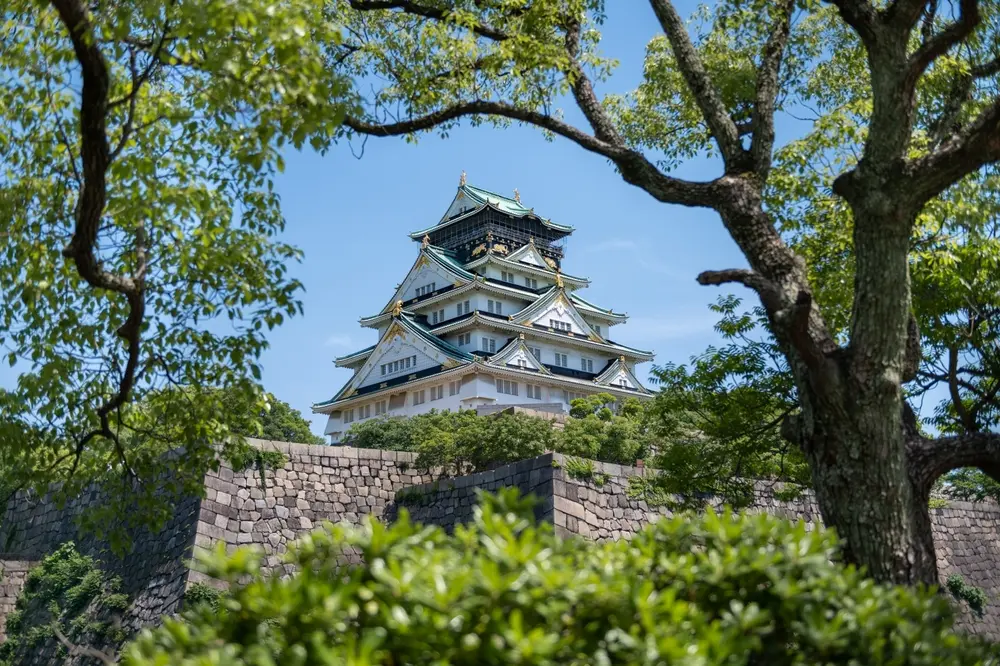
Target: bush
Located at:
point(706, 590)
point(66, 593)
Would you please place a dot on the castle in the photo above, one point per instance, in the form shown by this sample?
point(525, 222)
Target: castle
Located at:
point(485, 316)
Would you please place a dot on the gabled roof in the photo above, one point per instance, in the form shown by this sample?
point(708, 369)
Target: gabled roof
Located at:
point(495, 286)
point(353, 358)
point(517, 355)
point(555, 297)
point(503, 323)
point(529, 254)
point(438, 257)
point(401, 325)
point(509, 262)
point(591, 309)
point(614, 370)
point(481, 199)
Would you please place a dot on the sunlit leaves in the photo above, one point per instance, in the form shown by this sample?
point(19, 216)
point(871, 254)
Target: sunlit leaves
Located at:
point(706, 590)
point(203, 98)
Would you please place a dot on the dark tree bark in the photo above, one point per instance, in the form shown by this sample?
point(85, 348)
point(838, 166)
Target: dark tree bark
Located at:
point(872, 471)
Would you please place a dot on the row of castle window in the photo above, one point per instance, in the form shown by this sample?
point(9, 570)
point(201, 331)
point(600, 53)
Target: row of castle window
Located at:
point(560, 325)
point(399, 365)
point(496, 307)
point(437, 316)
point(530, 283)
point(426, 289)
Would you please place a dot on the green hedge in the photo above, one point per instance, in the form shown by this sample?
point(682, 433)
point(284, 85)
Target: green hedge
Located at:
point(695, 590)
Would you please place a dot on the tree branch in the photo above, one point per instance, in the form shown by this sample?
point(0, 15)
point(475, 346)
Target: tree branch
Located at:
point(860, 15)
point(719, 122)
point(583, 91)
point(962, 153)
point(96, 158)
point(635, 168)
point(939, 43)
point(792, 317)
point(956, 397)
point(762, 142)
point(418, 9)
point(929, 459)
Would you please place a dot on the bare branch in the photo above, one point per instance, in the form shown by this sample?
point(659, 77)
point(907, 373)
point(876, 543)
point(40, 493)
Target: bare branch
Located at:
point(583, 91)
point(762, 142)
point(701, 86)
point(860, 15)
point(635, 168)
point(418, 9)
point(75, 650)
point(929, 459)
point(769, 293)
point(939, 44)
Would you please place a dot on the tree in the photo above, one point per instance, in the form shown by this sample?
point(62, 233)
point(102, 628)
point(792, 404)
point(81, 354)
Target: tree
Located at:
point(139, 143)
point(268, 418)
point(914, 78)
point(715, 589)
point(595, 431)
point(716, 422)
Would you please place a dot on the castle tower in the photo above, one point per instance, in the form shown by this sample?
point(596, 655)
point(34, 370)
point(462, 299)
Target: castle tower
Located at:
point(485, 316)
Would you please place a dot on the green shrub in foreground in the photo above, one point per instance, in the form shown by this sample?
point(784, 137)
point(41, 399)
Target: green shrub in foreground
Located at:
point(694, 590)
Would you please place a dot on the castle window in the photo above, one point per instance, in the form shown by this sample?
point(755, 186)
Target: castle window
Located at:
point(463, 308)
point(536, 352)
point(496, 307)
point(489, 345)
point(419, 397)
point(348, 416)
point(437, 316)
point(454, 388)
point(364, 412)
point(506, 277)
point(597, 329)
point(534, 392)
point(426, 289)
point(560, 325)
point(586, 364)
point(380, 407)
point(531, 283)
point(507, 387)
point(561, 360)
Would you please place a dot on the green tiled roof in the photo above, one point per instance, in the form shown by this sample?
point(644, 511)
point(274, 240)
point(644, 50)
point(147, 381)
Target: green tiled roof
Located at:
point(587, 304)
point(502, 203)
point(360, 351)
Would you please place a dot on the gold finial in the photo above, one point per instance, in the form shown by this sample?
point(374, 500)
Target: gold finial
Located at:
point(426, 241)
point(621, 358)
point(522, 336)
point(559, 282)
point(489, 236)
point(461, 179)
point(517, 196)
point(531, 240)
point(397, 309)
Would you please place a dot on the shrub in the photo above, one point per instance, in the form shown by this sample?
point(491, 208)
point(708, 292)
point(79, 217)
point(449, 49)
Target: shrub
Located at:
point(707, 590)
point(66, 593)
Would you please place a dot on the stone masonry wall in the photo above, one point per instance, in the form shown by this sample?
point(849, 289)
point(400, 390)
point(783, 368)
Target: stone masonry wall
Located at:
point(966, 536)
point(326, 483)
point(13, 575)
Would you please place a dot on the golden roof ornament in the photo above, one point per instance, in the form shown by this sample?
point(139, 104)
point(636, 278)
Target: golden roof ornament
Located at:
point(425, 242)
point(622, 358)
point(461, 180)
point(559, 280)
point(522, 336)
point(397, 309)
point(517, 196)
point(531, 241)
point(489, 236)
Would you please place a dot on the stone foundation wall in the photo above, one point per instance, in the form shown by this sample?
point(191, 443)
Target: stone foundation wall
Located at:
point(13, 575)
point(328, 483)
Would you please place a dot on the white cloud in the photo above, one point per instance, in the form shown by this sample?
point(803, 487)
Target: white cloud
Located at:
point(338, 341)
